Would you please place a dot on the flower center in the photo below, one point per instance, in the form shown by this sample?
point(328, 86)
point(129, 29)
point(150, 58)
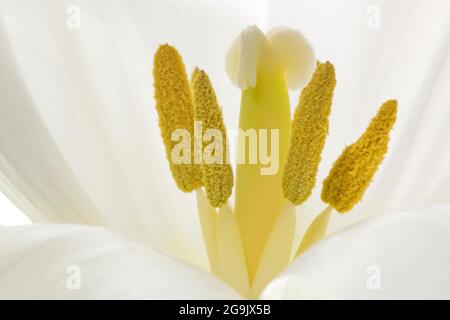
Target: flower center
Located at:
point(250, 243)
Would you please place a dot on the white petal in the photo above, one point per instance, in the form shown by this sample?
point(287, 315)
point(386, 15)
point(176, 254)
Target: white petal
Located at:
point(397, 256)
point(79, 140)
point(52, 261)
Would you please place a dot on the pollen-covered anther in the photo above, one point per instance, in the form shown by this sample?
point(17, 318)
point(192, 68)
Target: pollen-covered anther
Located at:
point(176, 112)
point(353, 171)
point(217, 172)
point(309, 130)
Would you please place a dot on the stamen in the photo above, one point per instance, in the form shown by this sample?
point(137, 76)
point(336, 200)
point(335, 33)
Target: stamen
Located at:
point(354, 169)
point(208, 223)
point(316, 230)
point(277, 251)
point(217, 172)
point(175, 110)
point(231, 266)
point(309, 130)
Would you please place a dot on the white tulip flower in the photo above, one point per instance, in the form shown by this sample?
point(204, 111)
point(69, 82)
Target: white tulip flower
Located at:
point(198, 150)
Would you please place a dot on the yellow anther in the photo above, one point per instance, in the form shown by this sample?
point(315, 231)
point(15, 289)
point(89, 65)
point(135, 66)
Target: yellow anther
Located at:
point(353, 171)
point(217, 172)
point(309, 130)
point(175, 110)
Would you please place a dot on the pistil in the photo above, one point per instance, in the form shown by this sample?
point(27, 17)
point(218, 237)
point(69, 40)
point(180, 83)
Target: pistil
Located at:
point(259, 198)
point(251, 244)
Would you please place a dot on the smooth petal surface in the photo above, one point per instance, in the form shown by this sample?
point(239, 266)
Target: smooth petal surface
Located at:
point(397, 256)
point(51, 261)
point(79, 140)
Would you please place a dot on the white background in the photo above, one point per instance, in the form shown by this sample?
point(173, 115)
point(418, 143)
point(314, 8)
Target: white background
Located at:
point(10, 214)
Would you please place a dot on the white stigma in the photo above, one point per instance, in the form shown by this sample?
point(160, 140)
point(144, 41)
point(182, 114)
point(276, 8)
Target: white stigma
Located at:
point(290, 49)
